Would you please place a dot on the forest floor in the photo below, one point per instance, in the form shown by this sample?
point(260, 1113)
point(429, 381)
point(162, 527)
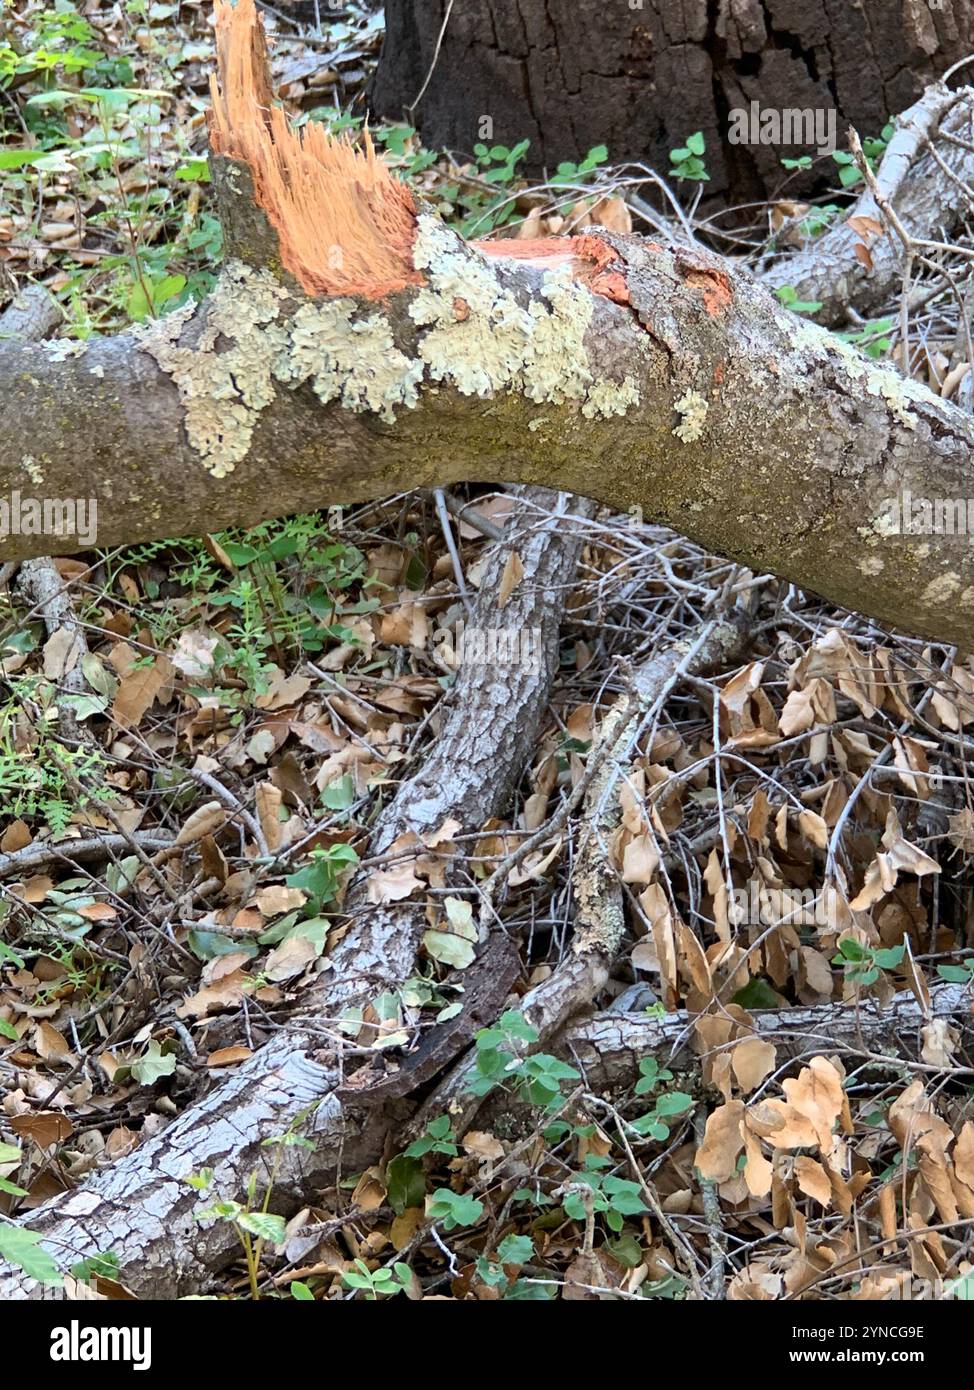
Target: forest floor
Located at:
point(185, 795)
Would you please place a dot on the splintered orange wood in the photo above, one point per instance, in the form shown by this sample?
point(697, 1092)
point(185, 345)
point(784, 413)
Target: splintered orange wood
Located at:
point(345, 225)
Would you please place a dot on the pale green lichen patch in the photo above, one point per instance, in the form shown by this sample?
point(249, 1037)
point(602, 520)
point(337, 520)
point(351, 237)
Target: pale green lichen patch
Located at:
point(33, 469)
point(478, 337)
point(693, 407)
point(877, 379)
point(223, 392)
point(355, 361)
point(63, 348)
point(941, 590)
point(483, 341)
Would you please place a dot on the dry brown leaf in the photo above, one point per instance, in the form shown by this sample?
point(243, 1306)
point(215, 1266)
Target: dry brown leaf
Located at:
point(654, 903)
point(813, 1180)
point(16, 836)
point(288, 959)
point(139, 687)
point(753, 1060)
point(204, 821)
point(370, 1190)
point(814, 829)
point(229, 1056)
point(268, 800)
point(483, 1145)
point(224, 995)
point(940, 1043)
point(758, 1171)
point(612, 213)
point(51, 1045)
point(62, 652)
point(510, 579)
point(717, 1156)
point(693, 960)
point(44, 1127)
point(283, 690)
point(640, 860)
point(398, 880)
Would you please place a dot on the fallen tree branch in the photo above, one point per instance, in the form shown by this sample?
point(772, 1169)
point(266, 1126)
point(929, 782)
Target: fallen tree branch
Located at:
point(610, 1046)
point(923, 195)
point(489, 730)
point(598, 919)
point(389, 354)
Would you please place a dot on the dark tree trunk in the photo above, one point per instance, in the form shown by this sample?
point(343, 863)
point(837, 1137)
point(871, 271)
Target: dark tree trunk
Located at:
point(641, 75)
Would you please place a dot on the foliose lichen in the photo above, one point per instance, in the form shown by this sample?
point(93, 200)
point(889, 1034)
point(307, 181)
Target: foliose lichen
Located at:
point(223, 392)
point(693, 407)
point(483, 341)
point(352, 360)
point(478, 337)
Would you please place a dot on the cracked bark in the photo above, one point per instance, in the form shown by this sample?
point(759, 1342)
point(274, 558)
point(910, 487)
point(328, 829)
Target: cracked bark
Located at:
point(610, 1046)
point(571, 74)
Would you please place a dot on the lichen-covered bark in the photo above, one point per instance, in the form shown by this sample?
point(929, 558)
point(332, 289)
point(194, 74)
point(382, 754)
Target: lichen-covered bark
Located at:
point(700, 399)
point(639, 78)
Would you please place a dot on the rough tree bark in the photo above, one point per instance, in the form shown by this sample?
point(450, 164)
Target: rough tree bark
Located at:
point(641, 77)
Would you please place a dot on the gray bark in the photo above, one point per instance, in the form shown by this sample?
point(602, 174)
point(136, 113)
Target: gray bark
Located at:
point(757, 434)
point(141, 1207)
point(928, 198)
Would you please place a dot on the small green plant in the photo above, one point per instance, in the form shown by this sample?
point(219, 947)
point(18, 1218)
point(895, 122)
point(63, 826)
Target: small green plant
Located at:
point(254, 1224)
point(654, 1124)
point(452, 1209)
point(819, 219)
point(788, 296)
point(536, 1078)
point(873, 148)
point(863, 964)
point(687, 160)
point(378, 1283)
point(438, 1138)
point(591, 1192)
point(60, 39)
point(569, 173)
point(873, 338)
point(513, 1250)
point(961, 974)
point(322, 878)
point(43, 779)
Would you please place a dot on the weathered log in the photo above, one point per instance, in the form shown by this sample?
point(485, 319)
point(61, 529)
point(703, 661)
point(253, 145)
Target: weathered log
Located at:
point(697, 398)
point(142, 1208)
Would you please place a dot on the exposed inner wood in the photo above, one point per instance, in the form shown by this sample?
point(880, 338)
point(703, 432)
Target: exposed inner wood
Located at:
point(345, 224)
